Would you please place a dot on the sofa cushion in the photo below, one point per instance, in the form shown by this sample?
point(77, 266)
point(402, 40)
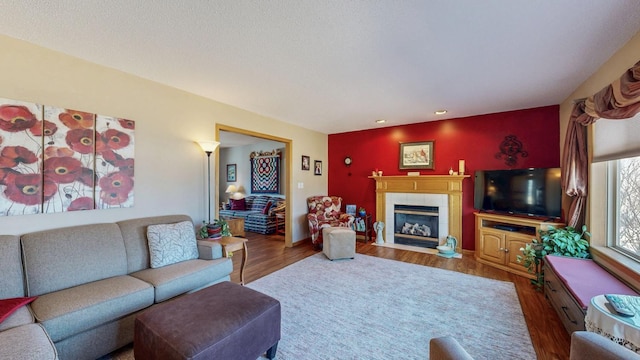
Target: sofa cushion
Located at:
point(71, 311)
point(11, 281)
point(239, 204)
point(9, 306)
point(134, 233)
point(171, 243)
point(257, 203)
point(53, 258)
point(176, 279)
point(27, 342)
point(584, 278)
point(21, 316)
point(265, 211)
point(279, 207)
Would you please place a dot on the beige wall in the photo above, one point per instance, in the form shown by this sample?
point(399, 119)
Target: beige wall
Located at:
point(170, 167)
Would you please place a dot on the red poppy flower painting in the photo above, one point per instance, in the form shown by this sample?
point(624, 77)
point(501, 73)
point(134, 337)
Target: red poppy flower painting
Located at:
point(127, 124)
point(27, 189)
point(43, 128)
point(115, 139)
point(7, 175)
point(68, 155)
point(73, 160)
point(125, 165)
point(83, 203)
point(63, 170)
point(81, 140)
point(114, 162)
point(14, 118)
point(20, 163)
point(115, 188)
point(12, 156)
point(54, 151)
point(74, 119)
point(87, 177)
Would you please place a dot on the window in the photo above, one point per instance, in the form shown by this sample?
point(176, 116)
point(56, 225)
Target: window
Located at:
point(624, 201)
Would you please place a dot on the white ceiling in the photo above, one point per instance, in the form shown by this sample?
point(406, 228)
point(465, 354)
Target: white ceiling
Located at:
point(338, 65)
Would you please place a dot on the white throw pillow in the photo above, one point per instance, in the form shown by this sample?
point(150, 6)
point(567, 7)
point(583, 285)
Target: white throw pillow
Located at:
point(171, 243)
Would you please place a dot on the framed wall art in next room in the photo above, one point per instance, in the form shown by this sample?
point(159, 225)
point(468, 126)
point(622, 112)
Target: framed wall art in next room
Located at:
point(231, 172)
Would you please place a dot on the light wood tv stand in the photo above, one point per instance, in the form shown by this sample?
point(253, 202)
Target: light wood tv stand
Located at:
point(500, 237)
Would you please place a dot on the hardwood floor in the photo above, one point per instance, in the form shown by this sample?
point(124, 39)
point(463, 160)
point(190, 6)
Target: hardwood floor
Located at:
point(550, 340)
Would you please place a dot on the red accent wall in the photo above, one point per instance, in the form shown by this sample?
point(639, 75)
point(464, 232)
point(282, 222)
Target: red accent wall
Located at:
point(474, 139)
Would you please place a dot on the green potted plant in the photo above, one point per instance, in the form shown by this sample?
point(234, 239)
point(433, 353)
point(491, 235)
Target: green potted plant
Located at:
point(216, 225)
point(565, 241)
point(362, 212)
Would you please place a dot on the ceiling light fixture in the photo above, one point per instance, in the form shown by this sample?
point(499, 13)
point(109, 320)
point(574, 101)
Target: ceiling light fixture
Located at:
point(440, 112)
point(381, 121)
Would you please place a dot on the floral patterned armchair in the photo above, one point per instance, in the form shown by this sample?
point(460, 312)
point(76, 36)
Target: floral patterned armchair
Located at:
point(325, 211)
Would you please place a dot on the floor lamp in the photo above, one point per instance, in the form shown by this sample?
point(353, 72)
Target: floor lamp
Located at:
point(208, 147)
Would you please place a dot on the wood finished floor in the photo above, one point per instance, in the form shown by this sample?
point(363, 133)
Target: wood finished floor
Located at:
point(550, 340)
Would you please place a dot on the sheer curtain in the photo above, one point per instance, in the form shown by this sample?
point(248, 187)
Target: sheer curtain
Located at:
point(618, 100)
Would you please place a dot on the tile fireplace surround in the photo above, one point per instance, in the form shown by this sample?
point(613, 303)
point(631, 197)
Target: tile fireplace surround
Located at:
point(444, 191)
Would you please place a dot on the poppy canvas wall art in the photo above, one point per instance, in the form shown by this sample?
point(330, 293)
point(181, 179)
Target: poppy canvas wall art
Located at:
point(115, 162)
point(21, 181)
point(56, 159)
point(69, 159)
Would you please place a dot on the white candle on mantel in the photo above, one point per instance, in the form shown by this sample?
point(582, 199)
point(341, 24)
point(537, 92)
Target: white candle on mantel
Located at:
point(461, 167)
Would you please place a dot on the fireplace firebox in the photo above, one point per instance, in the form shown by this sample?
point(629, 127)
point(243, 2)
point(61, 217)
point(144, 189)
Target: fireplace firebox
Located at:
point(416, 225)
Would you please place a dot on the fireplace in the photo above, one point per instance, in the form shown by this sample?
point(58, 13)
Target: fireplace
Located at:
point(441, 191)
point(416, 225)
point(416, 213)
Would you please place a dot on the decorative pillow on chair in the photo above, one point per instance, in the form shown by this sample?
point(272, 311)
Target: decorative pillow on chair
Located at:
point(238, 204)
point(9, 306)
point(171, 243)
point(265, 211)
point(280, 207)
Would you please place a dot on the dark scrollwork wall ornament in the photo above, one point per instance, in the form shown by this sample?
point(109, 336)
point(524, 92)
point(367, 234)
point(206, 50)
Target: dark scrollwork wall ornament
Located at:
point(510, 147)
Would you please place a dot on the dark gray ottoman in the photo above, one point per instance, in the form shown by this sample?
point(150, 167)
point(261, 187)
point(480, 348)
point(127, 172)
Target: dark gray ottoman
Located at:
point(223, 321)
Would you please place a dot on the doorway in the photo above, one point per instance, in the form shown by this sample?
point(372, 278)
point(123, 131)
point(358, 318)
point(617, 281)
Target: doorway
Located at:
point(287, 176)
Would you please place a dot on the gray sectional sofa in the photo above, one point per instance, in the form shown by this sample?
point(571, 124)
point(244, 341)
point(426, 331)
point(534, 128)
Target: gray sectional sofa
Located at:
point(91, 281)
point(20, 336)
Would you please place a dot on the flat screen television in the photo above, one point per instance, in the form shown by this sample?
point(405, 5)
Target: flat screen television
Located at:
point(533, 192)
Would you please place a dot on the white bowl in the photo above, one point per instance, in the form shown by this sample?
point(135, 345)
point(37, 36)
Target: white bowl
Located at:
point(445, 249)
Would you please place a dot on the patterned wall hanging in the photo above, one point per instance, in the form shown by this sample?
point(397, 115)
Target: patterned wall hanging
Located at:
point(265, 172)
point(57, 160)
point(510, 147)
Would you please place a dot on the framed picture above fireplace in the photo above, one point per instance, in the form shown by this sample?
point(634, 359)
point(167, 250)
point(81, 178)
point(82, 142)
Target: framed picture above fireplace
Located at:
point(416, 155)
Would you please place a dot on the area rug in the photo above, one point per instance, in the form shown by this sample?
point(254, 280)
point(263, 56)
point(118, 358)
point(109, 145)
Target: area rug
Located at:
point(373, 308)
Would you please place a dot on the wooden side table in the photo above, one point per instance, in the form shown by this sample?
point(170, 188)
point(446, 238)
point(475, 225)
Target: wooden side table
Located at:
point(280, 223)
point(236, 226)
point(231, 244)
point(363, 227)
point(603, 320)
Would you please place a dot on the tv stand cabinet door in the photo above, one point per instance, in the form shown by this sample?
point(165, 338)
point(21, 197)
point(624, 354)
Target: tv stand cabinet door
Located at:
point(514, 243)
point(492, 246)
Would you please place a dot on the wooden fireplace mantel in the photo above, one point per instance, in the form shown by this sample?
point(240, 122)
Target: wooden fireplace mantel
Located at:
point(425, 184)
